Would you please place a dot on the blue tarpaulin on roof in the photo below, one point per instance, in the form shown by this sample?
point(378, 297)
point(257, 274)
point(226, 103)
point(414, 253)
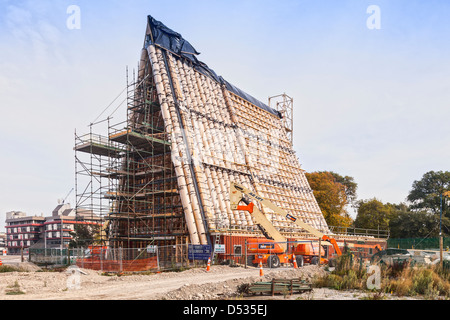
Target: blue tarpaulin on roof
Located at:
point(174, 42)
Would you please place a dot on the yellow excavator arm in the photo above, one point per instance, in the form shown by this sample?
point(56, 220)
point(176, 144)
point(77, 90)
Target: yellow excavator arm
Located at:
point(236, 195)
point(264, 224)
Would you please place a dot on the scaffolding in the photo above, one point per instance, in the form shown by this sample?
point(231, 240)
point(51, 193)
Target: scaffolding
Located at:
point(285, 105)
point(162, 176)
point(127, 176)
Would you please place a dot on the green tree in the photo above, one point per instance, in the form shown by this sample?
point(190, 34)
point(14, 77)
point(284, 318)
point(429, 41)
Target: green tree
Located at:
point(82, 236)
point(373, 214)
point(425, 193)
point(331, 197)
point(417, 224)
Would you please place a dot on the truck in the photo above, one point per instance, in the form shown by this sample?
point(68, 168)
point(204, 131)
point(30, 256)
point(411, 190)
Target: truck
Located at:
point(273, 250)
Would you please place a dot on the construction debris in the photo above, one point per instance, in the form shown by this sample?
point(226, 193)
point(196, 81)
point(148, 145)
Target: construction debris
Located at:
point(276, 286)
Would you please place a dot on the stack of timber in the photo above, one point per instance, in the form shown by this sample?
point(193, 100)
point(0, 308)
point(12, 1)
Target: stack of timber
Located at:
point(276, 286)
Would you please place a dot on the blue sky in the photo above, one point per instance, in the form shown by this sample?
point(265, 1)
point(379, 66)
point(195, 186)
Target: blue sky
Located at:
point(371, 104)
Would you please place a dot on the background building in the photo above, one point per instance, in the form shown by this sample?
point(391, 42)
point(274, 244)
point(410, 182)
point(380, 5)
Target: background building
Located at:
point(22, 231)
point(59, 228)
point(55, 231)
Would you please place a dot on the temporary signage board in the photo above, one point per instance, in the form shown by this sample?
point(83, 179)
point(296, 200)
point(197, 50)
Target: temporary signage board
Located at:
point(199, 252)
point(219, 248)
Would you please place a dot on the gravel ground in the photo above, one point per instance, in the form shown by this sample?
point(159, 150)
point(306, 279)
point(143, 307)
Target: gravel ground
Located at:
point(221, 282)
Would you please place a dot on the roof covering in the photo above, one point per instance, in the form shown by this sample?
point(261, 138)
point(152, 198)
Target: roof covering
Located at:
point(165, 37)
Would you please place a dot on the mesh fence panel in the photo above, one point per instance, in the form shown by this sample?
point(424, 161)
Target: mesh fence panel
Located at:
point(418, 243)
point(152, 258)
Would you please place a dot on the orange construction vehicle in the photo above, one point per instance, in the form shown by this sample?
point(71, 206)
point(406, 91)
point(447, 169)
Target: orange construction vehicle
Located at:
point(267, 252)
point(309, 252)
point(273, 250)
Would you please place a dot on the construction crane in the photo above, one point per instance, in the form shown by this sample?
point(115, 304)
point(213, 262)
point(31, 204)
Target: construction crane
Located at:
point(64, 200)
point(274, 252)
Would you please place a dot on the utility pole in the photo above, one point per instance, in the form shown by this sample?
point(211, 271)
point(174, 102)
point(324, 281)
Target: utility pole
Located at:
point(320, 252)
point(441, 243)
point(441, 239)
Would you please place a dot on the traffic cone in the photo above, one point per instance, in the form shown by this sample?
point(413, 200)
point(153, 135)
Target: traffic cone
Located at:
point(208, 267)
point(261, 273)
point(295, 261)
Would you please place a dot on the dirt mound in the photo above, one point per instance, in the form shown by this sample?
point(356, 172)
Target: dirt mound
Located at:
point(28, 267)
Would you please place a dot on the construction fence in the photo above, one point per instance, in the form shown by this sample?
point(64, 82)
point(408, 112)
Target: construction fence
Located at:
point(152, 258)
point(182, 256)
point(418, 243)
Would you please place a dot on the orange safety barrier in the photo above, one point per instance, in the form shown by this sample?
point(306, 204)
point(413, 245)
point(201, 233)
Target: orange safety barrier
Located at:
point(118, 265)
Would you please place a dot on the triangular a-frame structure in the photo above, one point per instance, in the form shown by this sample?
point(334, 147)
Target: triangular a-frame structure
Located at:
point(188, 134)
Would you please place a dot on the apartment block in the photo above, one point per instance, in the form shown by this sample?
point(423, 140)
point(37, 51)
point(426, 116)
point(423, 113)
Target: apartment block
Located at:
point(55, 231)
point(22, 231)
